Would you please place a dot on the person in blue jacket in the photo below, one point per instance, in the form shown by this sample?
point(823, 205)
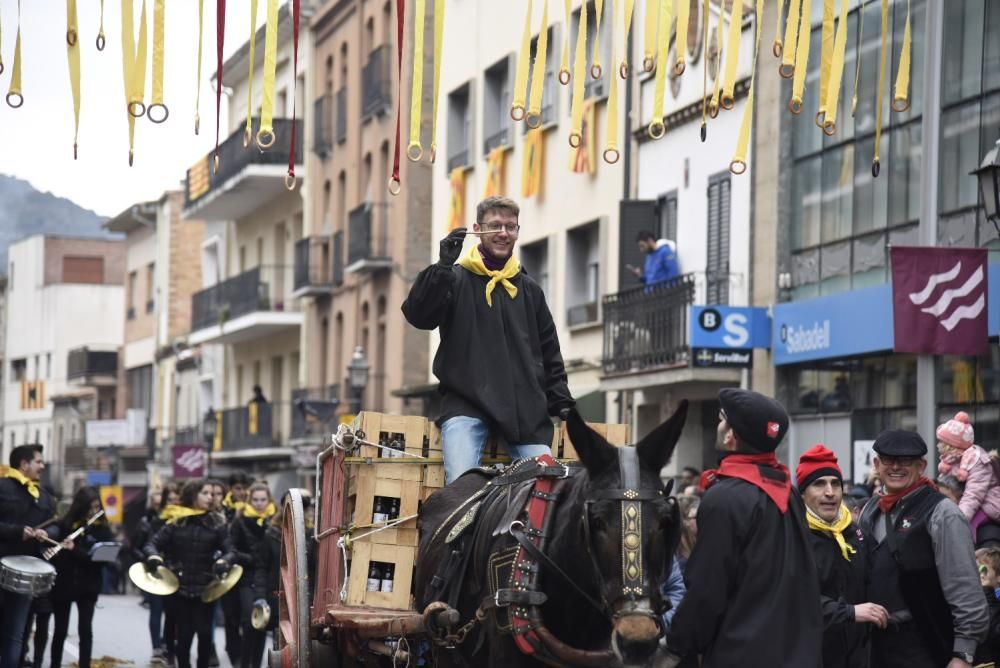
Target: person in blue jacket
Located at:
point(661, 259)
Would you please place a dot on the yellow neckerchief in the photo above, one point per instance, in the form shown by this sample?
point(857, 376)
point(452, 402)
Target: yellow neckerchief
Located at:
point(473, 261)
point(438, 47)
point(564, 76)
point(30, 485)
point(234, 505)
point(248, 130)
point(825, 57)
point(713, 104)
point(172, 513)
point(836, 529)
point(251, 512)
point(883, 51)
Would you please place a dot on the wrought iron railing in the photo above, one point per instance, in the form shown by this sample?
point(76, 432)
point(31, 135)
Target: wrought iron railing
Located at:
point(83, 362)
point(341, 119)
point(365, 241)
point(323, 125)
point(263, 288)
point(312, 263)
point(314, 419)
point(375, 87)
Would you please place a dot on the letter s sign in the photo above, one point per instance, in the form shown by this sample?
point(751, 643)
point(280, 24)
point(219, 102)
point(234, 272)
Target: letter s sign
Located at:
point(737, 330)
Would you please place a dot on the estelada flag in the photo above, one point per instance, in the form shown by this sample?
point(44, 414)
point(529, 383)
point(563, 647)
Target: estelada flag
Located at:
point(456, 207)
point(939, 298)
point(532, 165)
point(494, 173)
point(583, 158)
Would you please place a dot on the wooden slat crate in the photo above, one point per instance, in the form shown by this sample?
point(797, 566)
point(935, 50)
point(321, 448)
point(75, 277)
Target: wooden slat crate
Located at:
point(402, 559)
point(390, 481)
point(411, 432)
point(562, 447)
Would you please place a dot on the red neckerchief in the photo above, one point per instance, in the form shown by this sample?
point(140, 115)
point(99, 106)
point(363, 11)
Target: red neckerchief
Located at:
point(748, 467)
point(886, 502)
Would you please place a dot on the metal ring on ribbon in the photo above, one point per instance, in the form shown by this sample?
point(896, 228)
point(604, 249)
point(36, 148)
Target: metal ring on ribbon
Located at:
point(795, 105)
point(596, 71)
point(394, 186)
point(215, 165)
point(136, 109)
point(197, 123)
point(575, 138)
point(876, 167)
point(247, 137)
point(1, 67)
point(679, 67)
point(564, 76)
point(71, 37)
point(777, 48)
point(738, 167)
point(727, 102)
point(15, 96)
point(533, 120)
point(819, 119)
point(900, 104)
point(517, 112)
point(713, 110)
point(611, 155)
point(786, 71)
point(265, 139)
point(101, 41)
point(414, 151)
point(623, 70)
point(648, 64)
point(829, 128)
point(433, 153)
point(158, 106)
point(290, 181)
point(656, 129)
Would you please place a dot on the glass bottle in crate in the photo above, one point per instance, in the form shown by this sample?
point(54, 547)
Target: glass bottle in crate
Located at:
point(374, 578)
point(381, 513)
point(393, 508)
point(387, 579)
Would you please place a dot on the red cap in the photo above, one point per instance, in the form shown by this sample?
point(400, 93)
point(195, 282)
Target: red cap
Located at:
point(814, 463)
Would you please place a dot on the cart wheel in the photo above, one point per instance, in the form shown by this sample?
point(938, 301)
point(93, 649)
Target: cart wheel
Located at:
point(292, 634)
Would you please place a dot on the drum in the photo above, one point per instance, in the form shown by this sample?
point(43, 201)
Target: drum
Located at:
point(26, 575)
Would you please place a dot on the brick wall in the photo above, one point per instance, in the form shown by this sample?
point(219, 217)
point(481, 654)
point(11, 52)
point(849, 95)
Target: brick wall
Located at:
point(185, 266)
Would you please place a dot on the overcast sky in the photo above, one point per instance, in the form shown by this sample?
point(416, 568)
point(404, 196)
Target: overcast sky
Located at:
point(36, 140)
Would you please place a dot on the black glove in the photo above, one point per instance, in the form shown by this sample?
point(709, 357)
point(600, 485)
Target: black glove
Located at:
point(220, 568)
point(451, 247)
point(152, 563)
point(564, 413)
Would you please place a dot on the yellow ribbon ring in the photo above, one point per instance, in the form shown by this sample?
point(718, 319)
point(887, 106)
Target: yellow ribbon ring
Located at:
point(394, 187)
point(727, 102)
point(290, 182)
point(136, 109)
point(197, 123)
point(215, 164)
point(1, 67)
point(876, 167)
point(786, 71)
point(656, 129)
point(679, 67)
point(533, 120)
point(15, 96)
point(777, 49)
point(247, 137)
point(713, 110)
point(265, 139)
point(414, 151)
point(611, 155)
point(795, 105)
point(434, 153)
point(623, 70)
point(900, 104)
point(829, 128)
point(596, 71)
point(516, 112)
point(819, 119)
point(648, 64)
point(574, 139)
point(101, 41)
point(564, 76)
point(737, 167)
point(71, 36)
point(157, 106)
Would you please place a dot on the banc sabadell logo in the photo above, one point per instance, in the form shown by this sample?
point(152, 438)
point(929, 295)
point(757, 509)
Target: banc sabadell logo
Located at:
point(802, 339)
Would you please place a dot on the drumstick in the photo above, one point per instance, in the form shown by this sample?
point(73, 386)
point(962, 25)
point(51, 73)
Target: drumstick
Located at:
point(483, 234)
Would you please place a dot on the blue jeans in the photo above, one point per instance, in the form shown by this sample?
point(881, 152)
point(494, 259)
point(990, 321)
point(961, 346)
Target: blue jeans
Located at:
point(14, 609)
point(463, 439)
point(155, 620)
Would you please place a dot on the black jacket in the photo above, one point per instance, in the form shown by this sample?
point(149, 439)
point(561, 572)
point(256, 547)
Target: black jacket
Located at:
point(188, 548)
point(267, 564)
point(18, 509)
point(752, 596)
point(245, 533)
point(501, 364)
point(989, 649)
point(148, 525)
point(77, 577)
point(843, 584)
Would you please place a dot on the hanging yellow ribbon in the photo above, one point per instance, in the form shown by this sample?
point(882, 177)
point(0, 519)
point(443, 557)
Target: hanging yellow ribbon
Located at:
point(248, 130)
point(534, 116)
point(73, 56)
point(611, 153)
point(100, 32)
point(157, 98)
point(456, 207)
point(134, 69)
point(517, 107)
point(826, 58)
point(14, 97)
point(778, 46)
point(901, 96)
point(788, 50)
point(414, 150)
point(656, 127)
point(728, 99)
point(564, 75)
point(596, 71)
point(265, 133)
point(579, 64)
point(857, 71)
point(652, 22)
point(583, 158)
point(438, 46)
point(197, 99)
point(623, 66)
point(531, 165)
point(801, 59)
point(836, 72)
point(704, 74)
point(739, 162)
point(876, 162)
point(683, 12)
point(713, 104)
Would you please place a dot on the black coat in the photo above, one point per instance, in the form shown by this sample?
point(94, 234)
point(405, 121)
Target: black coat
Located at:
point(843, 584)
point(245, 533)
point(148, 525)
point(267, 564)
point(18, 509)
point(77, 577)
point(752, 594)
point(501, 364)
point(188, 548)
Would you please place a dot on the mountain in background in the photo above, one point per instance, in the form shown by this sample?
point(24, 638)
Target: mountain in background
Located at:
point(25, 211)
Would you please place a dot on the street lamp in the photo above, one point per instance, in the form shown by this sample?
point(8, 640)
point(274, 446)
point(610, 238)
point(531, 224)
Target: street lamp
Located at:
point(208, 426)
point(989, 184)
point(357, 376)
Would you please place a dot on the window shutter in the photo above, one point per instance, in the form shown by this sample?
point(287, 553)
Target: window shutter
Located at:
point(717, 265)
point(634, 216)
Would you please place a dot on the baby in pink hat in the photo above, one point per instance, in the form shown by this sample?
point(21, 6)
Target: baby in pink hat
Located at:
point(971, 465)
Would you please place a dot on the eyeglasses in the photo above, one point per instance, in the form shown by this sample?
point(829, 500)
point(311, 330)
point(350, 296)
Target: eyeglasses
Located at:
point(899, 461)
point(511, 228)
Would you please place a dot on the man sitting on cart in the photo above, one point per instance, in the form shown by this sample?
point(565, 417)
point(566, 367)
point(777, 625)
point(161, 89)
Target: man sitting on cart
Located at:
point(499, 363)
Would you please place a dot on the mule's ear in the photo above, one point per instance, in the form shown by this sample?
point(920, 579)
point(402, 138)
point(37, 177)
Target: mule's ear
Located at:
point(595, 452)
point(658, 447)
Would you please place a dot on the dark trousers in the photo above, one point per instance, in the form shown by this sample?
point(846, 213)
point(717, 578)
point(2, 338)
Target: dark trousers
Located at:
point(14, 611)
point(41, 615)
point(193, 618)
point(169, 623)
point(85, 629)
point(155, 620)
point(252, 651)
point(900, 647)
point(231, 611)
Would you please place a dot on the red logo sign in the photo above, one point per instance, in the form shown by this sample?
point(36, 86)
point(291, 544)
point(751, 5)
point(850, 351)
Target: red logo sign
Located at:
point(773, 429)
point(189, 461)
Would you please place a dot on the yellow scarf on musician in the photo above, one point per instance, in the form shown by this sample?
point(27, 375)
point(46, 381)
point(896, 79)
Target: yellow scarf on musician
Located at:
point(836, 529)
point(30, 485)
point(473, 261)
point(233, 505)
point(270, 511)
point(172, 513)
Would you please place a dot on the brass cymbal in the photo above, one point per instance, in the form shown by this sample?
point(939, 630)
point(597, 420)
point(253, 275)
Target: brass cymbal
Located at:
point(219, 586)
point(260, 616)
point(161, 583)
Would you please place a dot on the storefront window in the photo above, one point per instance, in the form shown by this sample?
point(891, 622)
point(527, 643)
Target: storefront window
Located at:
point(969, 380)
point(845, 385)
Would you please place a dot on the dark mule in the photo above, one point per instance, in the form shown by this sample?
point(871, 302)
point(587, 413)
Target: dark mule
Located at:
point(607, 602)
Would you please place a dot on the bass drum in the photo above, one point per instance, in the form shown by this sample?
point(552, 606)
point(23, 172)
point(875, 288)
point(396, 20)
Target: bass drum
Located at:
point(26, 575)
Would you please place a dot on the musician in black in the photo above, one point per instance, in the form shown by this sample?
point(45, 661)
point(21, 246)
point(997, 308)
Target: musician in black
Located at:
point(24, 506)
point(246, 531)
point(78, 577)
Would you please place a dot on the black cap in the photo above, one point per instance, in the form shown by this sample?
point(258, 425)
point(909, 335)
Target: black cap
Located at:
point(759, 421)
point(900, 443)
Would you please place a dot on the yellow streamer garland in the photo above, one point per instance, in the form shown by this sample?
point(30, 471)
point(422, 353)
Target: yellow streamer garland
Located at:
point(652, 22)
point(158, 31)
point(623, 66)
point(564, 75)
point(836, 72)
point(857, 71)
point(826, 58)
point(517, 107)
point(901, 97)
point(134, 69)
point(596, 71)
point(248, 130)
point(713, 105)
point(265, 134)
point(876, 162)
point(788, 53)
point(728, 100)
point(683, 12)
point(197, 100)
point(739, 162)
point(656, 127)
point(73, 56)
point(438, 46)
point(778, 46)
point(534, 115)
point(579, 64)
point(14, 97)
point(801, 59)
point(413, 150)
point(611, 153)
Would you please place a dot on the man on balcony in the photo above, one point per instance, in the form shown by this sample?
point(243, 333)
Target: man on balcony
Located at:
point(661, 259)
point(499, 361)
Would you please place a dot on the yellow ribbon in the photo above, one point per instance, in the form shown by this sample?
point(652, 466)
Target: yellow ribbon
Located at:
point(801, 59)
point(517, 107)
point(683, 12)
point(623, 66)
point(835, 529)
point(876, 162)
point(901, 97)
point(248, 130)
point(227, 502)
point(713, 105)
point(611, 153)
point(583, 158)
point(531, 166)
point(564, 76)
point(857, 71)
point(413, 150)
point(438, 46)
point(14, 97)
point(197, 100)
point(473, 261)
point(73, 56)
point(596, 71)
point(778, 47)
point(134, 69)
point(100, 32)
point(30, 485)
point(265, 134)
point(728, 100)
point(173, 512)
point(217, 441)
point(788, 51)
point(157, 98)
point(456, 207)
point(270, 511)
point(652, 22)
point(704, 74)
point(836, 72)
point(579, 64)
point(739, 161)
point(656, 128)
point(826, 58)
point(534, 116)
point(494, 173)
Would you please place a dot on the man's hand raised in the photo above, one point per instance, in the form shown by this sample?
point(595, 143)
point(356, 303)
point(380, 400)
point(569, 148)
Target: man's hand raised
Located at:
point(451, 247)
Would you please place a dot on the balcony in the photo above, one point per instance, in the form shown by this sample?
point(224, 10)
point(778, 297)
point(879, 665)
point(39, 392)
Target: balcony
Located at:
point(367, 249)
point(313, 270)
point(319, 405)
point(338, 257)
point(248, 178)
point(341, 101)
point(92, 368)
point(254, 304)
point(245, 434)
point(376, 90)
point(323, 125)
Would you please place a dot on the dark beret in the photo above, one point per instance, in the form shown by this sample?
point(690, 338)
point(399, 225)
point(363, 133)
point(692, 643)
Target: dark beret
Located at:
point(759, 421)
point(900, 443)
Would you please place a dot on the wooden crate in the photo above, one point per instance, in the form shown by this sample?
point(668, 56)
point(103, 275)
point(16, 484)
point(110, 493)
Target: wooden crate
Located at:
point(402, 558)
point(393, 481)
point(412, 431)
point(562, 448)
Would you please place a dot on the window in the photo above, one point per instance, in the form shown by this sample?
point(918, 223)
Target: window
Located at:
point(150, 286)
point(10, 284)
point(139, 382)
point(80, 269)
point(666, 213)
point(583, 279)
point(596, 88)
point(243, 258)
point(717, 262)
point(535, 260)
point(48, 365)
point(459, 127)
point(497, 95)
point(130, 298)
point(19, 369)
point(551, 86)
